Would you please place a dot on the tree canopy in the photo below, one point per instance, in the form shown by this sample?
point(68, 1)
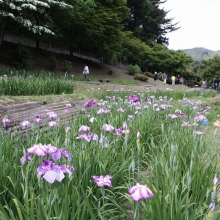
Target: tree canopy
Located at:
point(30, 14)
point(210, 69)
point(148, 21)
point(133, 31)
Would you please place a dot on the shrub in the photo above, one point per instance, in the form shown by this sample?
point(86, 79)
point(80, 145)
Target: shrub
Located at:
point(141, 77)
point(160, 75)
point(110, 72)
point(68, 65)
point(149, 74)
point(53, 62)
point(21, 57)
point(133, 69)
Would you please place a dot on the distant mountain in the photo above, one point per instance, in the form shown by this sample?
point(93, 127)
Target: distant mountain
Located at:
point(199, 53)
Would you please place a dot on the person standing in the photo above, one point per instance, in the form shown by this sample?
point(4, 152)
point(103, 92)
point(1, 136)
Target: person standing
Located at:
point(155, 78)
point(164, 77)
point(86, 72)
point(173, 78)
point(178, 79)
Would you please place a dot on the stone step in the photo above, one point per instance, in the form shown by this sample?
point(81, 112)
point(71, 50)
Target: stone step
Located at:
point(26, 112)
point(21, 106)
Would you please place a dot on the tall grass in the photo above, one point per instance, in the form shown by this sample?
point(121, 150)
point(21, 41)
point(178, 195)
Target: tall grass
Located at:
point(41, 85)
point(174, 162)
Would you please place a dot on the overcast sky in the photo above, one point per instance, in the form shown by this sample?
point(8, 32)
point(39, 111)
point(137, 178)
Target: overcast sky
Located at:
point(199, 22)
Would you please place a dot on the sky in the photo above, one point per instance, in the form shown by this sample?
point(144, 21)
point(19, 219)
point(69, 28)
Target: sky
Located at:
point(199, 22)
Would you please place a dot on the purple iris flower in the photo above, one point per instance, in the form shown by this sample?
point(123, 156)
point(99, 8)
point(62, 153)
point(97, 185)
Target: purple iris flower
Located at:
point(52, 123)
point(147, 99)
point(61, 152)
point(5, 120)
point(65, 110)
point(186, 124)
point(121, 110)
point(199, 118)
point(103, 180)
point(25, 123)
point(67, 129)
point(124, 125)
point(140, 192)
point(198, 132)
point(134, 98)
point(107, 127)
point(84, 128)
point(118, 131)
point(90, 103)
point(131, 117)
point(38, 149)
point(172, 116)
point(181, 115)
point(7, 127)
point(212, 206)
point(93, 136)
point(37, 118)
point(65, 169)
point(41, 150)
point(83, 137)
point(215, 180)
point(24, 158)
point(51, 114)
point(50, 171)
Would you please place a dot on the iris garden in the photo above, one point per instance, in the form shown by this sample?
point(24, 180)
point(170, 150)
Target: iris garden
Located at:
point(131, 155)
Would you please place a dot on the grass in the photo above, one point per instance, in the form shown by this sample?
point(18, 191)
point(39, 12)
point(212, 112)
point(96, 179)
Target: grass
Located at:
point(165, 151)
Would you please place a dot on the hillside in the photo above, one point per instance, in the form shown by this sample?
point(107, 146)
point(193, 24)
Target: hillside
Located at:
point(41, 61)
point(199, 52)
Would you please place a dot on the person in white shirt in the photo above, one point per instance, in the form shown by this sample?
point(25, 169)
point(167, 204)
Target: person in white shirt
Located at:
point(86, 72)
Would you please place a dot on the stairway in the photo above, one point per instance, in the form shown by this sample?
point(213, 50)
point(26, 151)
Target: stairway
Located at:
point(20, 112)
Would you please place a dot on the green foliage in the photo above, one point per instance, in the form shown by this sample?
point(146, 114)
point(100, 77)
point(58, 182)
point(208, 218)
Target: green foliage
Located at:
point(133, 50)
point(125, 81)
point(21, 57)
point(53, 63)
point(165, 151)
point(148, 21)
point(26, 85)
point(68, 65)
point(210, 69)
point(133, 69)
point(141, 77)
point(149, 74)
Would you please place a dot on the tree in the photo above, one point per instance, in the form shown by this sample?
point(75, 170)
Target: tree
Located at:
point(103, 28)
point(148, 21)
point(210, 69)
point(30, 14)
point(133, 50)
point(73, 33)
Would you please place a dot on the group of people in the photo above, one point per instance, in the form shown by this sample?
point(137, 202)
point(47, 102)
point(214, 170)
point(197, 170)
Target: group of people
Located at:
point(178, 79)
point(164, 78)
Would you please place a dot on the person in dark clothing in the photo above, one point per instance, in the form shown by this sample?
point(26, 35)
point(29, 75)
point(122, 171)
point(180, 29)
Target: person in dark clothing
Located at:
point(192, 83)
point(178, 79)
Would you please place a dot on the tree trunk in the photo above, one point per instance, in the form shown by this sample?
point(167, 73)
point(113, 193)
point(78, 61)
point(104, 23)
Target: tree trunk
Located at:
point(37, 44)
point(146, 67)
point(37, 40)
point(71, 51)
point(2, 30)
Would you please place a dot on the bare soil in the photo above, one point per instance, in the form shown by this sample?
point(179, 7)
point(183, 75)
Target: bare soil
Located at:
point(41, 61)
